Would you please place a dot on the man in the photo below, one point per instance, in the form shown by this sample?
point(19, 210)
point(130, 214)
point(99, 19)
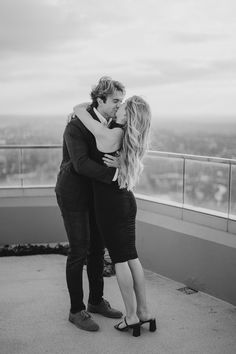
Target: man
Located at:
point(75, 199)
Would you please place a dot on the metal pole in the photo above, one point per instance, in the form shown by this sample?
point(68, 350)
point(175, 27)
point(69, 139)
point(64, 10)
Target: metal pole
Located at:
point(184, 167)
point(229, 195)
point(21, 168)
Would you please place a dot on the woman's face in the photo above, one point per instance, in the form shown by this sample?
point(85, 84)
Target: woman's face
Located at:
point(121, 114)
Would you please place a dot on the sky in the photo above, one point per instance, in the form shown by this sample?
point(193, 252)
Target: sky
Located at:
point(180, 55)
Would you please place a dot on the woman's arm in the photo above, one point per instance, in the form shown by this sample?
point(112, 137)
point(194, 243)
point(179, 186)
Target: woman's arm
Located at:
point(95, 127)
point(100, 131)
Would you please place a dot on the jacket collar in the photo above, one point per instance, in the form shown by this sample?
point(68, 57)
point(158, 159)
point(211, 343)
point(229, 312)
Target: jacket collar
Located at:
point(93, 114)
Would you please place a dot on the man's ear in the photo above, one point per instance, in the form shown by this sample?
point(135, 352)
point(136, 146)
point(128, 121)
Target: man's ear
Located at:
point(99, 101)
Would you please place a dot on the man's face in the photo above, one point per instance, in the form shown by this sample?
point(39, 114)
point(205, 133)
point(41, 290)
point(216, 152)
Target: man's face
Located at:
point(109, 108)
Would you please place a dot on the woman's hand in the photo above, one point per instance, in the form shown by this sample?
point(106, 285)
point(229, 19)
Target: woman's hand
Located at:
point(111, 161)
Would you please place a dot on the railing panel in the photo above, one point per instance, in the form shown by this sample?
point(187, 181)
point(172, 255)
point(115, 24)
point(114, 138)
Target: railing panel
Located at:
point(232, 209)
point(10, 165)
point(162, 178)
point(40, 167)
point(207, 185)
point(24, 166)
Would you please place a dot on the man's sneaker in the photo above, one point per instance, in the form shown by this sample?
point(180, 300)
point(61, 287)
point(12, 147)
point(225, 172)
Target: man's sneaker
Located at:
point(83, 320)
point(105, 309)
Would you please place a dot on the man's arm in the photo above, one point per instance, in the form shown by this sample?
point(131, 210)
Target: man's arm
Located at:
point(75, 138)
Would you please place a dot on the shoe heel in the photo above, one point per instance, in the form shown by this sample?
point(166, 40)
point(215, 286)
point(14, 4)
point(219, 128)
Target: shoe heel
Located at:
point(152, 326)
point(136, 330)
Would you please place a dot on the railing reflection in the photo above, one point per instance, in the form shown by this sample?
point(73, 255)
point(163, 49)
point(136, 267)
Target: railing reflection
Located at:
point(207, 184)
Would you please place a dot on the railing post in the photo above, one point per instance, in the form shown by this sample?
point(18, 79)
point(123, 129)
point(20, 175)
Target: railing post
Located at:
point(21, 168)
point(229, 195)
point(184, 166)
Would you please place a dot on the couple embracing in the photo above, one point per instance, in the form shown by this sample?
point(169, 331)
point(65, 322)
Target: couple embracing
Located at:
point(103, 146)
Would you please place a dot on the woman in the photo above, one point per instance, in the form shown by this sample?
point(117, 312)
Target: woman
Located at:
point(115, 204)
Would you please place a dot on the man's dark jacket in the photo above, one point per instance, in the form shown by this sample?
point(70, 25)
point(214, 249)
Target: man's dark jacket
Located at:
point(77, 168)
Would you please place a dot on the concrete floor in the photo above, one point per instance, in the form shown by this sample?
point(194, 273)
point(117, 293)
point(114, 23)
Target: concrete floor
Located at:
point(34, 311)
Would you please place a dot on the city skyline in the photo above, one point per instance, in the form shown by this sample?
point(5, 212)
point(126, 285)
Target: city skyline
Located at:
point(178, 54)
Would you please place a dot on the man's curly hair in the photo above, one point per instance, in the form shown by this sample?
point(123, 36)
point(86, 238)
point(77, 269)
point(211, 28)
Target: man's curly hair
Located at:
point(105, 87)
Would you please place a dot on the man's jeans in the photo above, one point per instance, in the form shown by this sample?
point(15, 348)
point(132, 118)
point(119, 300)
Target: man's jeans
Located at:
point(85, 243)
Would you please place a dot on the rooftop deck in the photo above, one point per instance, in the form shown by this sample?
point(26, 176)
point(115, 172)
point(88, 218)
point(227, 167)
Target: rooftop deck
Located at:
point(34, 311)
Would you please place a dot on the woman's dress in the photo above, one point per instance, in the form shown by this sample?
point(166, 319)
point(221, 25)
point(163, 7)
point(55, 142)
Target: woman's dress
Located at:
point(115, 211)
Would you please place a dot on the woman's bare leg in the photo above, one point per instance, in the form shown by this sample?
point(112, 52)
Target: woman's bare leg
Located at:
point(125, 282)
point(139, 289)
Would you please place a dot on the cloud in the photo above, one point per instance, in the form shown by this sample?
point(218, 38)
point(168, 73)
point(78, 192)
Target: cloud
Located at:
point(55, 50)
point(201, 37)
point(162, 72)
point(35, 26)
point(45, 25)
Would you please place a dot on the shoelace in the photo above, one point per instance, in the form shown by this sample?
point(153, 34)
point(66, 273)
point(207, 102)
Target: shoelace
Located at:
point(107, 303)
point(85, 315)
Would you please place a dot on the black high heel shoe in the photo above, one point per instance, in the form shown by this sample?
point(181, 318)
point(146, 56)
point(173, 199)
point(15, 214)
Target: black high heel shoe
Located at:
point(152, 324)
point(135, 327)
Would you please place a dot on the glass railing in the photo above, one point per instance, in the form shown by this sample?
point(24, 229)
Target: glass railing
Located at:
point(29, 166)
point(206, 184)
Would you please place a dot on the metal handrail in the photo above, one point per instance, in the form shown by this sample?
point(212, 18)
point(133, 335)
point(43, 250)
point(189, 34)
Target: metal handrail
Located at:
point(192, 157)
point(46, 146)
point(149, 152)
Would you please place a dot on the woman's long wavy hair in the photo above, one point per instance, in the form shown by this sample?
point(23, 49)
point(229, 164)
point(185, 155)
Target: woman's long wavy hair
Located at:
point(135, 141)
